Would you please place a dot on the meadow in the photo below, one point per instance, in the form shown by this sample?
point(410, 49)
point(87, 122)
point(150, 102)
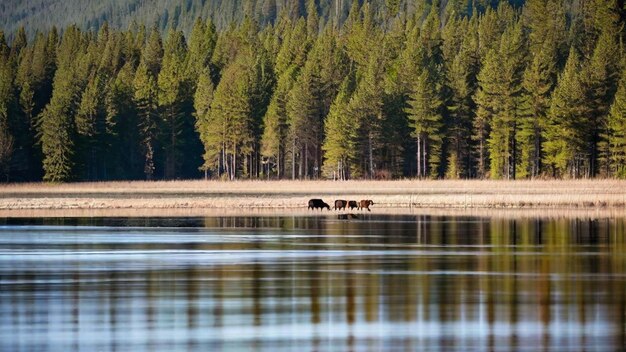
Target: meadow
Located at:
point(239, 197)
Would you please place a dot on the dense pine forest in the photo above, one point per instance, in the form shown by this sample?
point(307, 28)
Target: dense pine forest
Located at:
point(448, 89)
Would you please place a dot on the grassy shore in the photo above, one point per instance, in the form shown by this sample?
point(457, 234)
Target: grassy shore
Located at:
point(400, 196)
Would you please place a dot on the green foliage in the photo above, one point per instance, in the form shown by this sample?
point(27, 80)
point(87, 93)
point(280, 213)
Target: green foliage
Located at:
point(343, 89)
point(341, 135)
point(564, 140)
point(57, 121)
point(7, 99)
point(145, 98)
point(426, 120)
point(616, 131)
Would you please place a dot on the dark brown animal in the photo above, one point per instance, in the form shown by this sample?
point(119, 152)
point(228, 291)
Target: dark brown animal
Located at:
point(318, 203)
point(340, 204)
point(365, 204)
point(353, 204)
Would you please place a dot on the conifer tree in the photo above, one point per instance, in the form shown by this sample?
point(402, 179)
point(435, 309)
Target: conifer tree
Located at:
point(145, 98)
point(229, 136)
point(305, 124)
point(616, 132)
point(563, 140)
point(274, 141)
point(600, 77)
point(203, 98)
point(153, 52)
point(201, 45)
point(341, 130)
point(57, 120)
point(538, 84)
point(461, 80)
point(173, 88)
point(7, 101)
point(426, 120)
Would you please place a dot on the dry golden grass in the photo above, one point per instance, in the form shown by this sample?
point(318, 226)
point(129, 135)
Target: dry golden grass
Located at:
point(593, 213)
point(292, 196)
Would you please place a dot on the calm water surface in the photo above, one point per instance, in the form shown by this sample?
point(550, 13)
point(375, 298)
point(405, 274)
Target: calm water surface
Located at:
point(376, 283)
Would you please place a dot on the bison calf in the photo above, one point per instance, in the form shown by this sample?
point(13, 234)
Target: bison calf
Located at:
point(365, 204)
point(340, 204)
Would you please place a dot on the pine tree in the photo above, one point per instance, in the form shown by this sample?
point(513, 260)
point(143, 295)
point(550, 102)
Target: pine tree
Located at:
point(90, 127)
point(274, 141)
point(538, 84)
point(57, 120)
point(7, 101)
point(201, 45)
point(203, 98)
point(230, 119)
point(616, 132)
point(461, 81)
point(600, 78)
point(125, 159)
point(503, 148)
point(146, 101)
point(173, 99)
point(305, 124)
point(366, 104)
point(341, 130)
point(499, 103)
point(426, 120)
point(564, 140)
point(153, 52)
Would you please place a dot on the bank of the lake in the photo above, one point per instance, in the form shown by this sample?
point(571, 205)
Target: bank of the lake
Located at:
point(290, 197)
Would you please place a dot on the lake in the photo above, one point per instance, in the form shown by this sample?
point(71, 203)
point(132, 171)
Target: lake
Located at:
point(318, 283)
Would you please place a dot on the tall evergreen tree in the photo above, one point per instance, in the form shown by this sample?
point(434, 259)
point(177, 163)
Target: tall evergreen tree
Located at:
point(341, 130)
point(174, 104)
point(305, 124)
point(58, 130)
point(7, 101)
point(274, 141)
point(426, 119)
point(616, 132)
point(145, 98)
point(203, 98)
point(461, 80)
point(564, 140)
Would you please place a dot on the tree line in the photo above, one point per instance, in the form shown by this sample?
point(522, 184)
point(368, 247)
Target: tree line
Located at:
point(508, 92)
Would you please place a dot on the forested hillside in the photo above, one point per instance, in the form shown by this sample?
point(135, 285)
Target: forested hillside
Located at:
point(447, 90)
point(175, 14)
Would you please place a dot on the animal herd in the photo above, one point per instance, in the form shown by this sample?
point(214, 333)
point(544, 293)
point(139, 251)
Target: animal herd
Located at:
point(341, 204)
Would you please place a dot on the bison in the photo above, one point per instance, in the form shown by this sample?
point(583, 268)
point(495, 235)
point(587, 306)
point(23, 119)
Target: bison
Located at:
point(365, 204)
point(318, 203)
point(353, 204)
point(340, 204)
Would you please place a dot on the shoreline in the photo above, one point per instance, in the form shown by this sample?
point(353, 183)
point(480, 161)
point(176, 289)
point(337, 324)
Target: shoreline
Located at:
point(291, 197)
point(591, 213)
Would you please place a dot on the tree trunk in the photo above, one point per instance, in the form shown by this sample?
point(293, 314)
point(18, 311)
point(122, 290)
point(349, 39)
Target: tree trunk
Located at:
point(278, 163)
point(371, 153)
point(424, 154)
point(419, 156)
point(293, 160)
point(306, 160)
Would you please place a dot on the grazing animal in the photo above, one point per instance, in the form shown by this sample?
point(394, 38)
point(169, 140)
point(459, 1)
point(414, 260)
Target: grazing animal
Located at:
point(365, 204)
point(353, 204)
point(340, 204)
point(318, 203)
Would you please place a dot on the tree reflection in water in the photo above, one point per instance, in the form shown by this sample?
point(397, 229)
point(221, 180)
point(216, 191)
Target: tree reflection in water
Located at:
point(313, 283)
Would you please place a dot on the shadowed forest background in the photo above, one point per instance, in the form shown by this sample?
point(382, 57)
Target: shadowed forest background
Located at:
point(316, 89)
